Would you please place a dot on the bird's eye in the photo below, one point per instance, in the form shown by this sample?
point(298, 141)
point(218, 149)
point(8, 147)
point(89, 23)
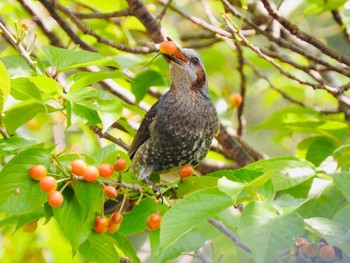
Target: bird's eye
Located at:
point(195, 61)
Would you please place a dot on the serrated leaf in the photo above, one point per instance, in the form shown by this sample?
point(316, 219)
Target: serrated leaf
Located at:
point(195, 183)
point(195, 209)
point(50, 87)
point(21, 113)
point(335, 233)
point(125, 246)
point(16, 66)
point(23, 88)
point(99, 248)
point(83, 79)
point(287, 172)
point(104, 153)
point(4, 86)
point(266, 233)
point(192, 241)
point(74, 220)
point(89, 195)
point(144, 80)
point(64, 59)
point(231, 188)
point(15, 178)
point(305, 121)
point(135, 221)
point(316, 149)
point(14, 144)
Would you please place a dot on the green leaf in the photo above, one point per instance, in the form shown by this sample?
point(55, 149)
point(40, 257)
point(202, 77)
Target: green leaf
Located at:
point(50, 87)
point(16, 66)
point(83, 79)
point(342, 217)
point(335, 233)
point(342, 155)
point(4, 86)
point(89, 195)
point(21, 113)
point(135, 221)
point(144, 80)
point(64, 59)
point(192, 241)
point(324, 200)
point(195, 209)
point(102, 154)
point(266, 233)
point(74, 220)
point(125, 246)
point(14, 144)
point(99, 248)
point(195, 183)
point(19, 192)
point(231, 188)
point(23, 89)
point(305, 121)
point(287, 172)
point(342, 183)
point(316, 149)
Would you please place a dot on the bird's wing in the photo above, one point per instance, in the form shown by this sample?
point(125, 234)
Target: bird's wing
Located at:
point(144, 131)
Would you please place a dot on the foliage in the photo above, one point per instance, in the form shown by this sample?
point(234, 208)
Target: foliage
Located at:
point(63, 106)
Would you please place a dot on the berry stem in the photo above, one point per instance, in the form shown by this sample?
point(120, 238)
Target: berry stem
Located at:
point(59, 166)
point(65, 185)
point(123, 202)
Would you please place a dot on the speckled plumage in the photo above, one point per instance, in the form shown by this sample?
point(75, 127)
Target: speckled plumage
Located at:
point(179, 127)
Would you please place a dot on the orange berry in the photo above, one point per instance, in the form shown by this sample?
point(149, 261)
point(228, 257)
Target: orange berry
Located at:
point(309, 250)
point(105, 170)
point(167, 47)
point(37, 172)
point(120, 165)
point(30, 227)
point(116, 218)
point(48, 184)
point(78, 167)
point(186, 171)
point(153, 221)
point(100, 225)
point(235, 100)
point(327, 253)
point(301, 241)
point(55, 198)
point(90, 174)
point(112, 228)
point(110, 191)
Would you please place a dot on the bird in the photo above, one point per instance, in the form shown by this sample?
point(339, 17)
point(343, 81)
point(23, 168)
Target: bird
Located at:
point(179, 128)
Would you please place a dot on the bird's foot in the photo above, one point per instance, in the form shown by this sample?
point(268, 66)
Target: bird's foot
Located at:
point(156, 189)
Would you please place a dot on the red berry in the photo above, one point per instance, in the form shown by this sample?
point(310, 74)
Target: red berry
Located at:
point(30, 227)
point(55, 198)
point(235, 100)
point(48, 184)
point(112, 228)
point(327, 253)
point(37, 172)
point(167, 47)
point(186, 171)
point(78, 167)
point(301, 241)
point(100, 225)
point(153, 221)
point(110, 191)
point(116, 218)
point(105, 170)
point(120, 165)
point(90, 174)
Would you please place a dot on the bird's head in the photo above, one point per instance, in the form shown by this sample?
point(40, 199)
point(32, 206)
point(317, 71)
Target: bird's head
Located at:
point(187, 70)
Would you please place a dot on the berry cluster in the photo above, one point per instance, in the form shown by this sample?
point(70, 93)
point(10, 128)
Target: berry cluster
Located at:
point(321, 252)
point(78, 167)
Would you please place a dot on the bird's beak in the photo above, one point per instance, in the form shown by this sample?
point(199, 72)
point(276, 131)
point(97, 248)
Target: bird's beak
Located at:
point(171, 52)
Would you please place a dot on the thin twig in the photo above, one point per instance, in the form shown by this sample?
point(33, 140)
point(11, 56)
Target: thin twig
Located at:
point(339, 18)
point(107, 136)
point(293, 29)
point(220, 226)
